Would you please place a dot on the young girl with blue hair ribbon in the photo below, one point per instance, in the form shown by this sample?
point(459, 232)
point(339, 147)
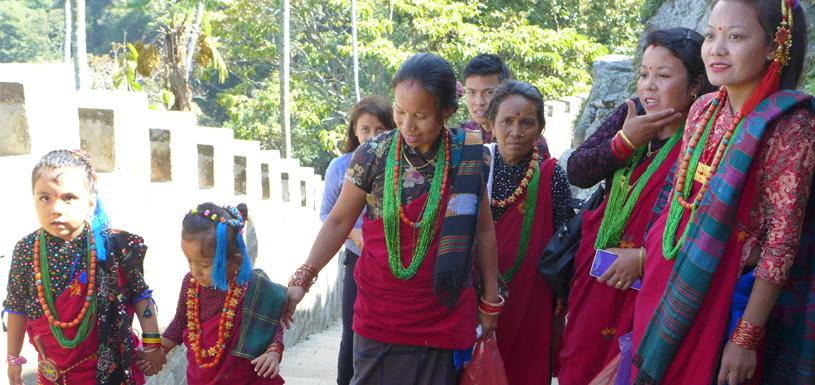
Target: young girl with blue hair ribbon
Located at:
point(227, 315)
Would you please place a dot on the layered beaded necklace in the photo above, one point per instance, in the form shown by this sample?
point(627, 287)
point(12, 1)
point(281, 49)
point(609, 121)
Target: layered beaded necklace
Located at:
point(393, 212)
point(225, 323)
point(700, 172)
point(42, 276)
point(529, 183)
point(502, 203)
point(624, 195)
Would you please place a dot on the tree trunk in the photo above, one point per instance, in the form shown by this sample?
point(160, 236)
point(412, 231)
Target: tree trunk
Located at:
point(175, 74)
point(285, 109)
point(81, 53)
point(66, 48)
point(192, 39)
point(356, 49)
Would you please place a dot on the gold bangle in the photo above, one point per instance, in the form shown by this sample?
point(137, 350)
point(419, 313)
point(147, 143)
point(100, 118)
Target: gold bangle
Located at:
point(642, 252)
point(626, 140)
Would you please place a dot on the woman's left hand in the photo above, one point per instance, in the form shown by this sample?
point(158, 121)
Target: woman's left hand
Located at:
point(624, 271)
point(267, 365)
point(488, 325)
point(738, 365)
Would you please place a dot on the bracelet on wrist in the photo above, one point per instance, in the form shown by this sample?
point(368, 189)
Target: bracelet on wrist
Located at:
point(15, 360)
point(747, 335)
point(491, 308)
point(305, 276)
point(627, 140)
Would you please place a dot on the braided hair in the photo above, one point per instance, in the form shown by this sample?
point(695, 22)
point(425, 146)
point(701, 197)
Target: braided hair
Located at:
point(221, 230)
point(56, 160)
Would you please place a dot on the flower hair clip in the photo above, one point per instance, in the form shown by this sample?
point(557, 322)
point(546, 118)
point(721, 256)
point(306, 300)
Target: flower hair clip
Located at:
point(237, 221)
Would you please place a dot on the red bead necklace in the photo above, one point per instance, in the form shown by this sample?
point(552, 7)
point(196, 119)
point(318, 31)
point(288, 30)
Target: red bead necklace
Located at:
point(501, 203)
point(225, 323)
point(52, 319)
point(444, 185)
point(694, 141)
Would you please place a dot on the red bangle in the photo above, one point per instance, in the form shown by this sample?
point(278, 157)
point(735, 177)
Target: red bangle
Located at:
point(614, 150)
point(490, 308)
point(623, 150)
point(276, 347)
point(747, 335)
point(305, 276)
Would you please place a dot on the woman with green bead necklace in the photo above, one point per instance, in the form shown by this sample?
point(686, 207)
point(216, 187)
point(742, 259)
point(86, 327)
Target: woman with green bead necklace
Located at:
point(729, 278)
point(601, 310)
point(529, 197)
point(422, 185)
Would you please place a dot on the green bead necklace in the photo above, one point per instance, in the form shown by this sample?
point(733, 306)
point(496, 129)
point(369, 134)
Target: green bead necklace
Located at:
point(392, 202)
point(623, 196)
point(684, 178)
point(530, 205)
point(89, 316)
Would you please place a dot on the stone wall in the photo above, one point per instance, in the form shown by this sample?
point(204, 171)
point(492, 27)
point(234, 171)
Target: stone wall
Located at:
point(153, 167)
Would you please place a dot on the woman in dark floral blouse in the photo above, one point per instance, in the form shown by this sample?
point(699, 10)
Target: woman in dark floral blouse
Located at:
point(529, 195)
point(422, 184)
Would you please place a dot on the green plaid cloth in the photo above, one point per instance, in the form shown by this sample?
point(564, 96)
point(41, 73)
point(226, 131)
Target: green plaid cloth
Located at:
point(262, 308)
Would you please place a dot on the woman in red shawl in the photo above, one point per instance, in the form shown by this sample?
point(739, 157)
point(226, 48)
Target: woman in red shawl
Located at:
point(727, 294)
point(529, 197)
point(600, 311)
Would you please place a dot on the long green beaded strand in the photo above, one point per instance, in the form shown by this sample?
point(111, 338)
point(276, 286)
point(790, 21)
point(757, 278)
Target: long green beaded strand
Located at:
point(622, 198)
point(670, 245)
point(390, 212)
point(529, 217)
point(85, 326)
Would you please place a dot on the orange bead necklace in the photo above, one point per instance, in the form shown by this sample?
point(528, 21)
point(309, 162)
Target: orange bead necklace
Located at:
point(225, 323)
point(530, 171)
point(444, 185)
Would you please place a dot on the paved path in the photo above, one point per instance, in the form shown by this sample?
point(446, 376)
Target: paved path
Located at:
point(313, 361)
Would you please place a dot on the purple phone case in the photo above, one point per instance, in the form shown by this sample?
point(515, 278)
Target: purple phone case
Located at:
point(602, 261)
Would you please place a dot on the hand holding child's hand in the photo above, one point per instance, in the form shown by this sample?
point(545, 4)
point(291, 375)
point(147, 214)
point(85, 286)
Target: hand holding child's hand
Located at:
point(294, 294)
point(151, 362)
point(267, 365)
point(144, 365)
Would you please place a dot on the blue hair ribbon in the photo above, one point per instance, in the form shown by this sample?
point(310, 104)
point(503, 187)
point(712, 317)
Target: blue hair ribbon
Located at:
point(100, 225)
point(219, 268)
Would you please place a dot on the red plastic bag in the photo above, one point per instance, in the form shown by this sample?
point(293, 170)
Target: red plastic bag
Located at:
point(608, 376)
point(486, 367)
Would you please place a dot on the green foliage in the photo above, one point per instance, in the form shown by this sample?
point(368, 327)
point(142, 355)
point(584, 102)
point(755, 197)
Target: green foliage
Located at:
point(30, 32)
point(612, 23)
point(550, 43)
point(127, 70)
point(649, 8)
point(558, 62)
